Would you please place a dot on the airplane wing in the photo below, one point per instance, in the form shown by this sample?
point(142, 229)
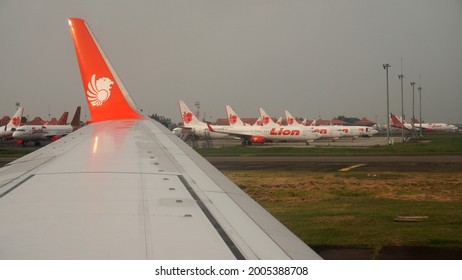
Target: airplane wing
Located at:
point(125, 187)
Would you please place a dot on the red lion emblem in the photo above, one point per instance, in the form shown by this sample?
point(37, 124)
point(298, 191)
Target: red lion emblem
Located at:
point(16, 121)
point(232, 119)
point(187, 117)
point(290, 120)
point(266, 120)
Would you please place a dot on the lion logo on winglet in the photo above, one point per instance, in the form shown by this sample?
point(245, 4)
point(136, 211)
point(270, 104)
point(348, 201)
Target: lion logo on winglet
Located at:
point(99, 90)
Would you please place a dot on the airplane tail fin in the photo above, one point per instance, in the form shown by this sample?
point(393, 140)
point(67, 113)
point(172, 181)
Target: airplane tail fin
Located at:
point(279, 121)
point(395, 121)
point(15, 121)
point(63, 119)
point(187, 116)
point(266, 119)
point(291, 121)
point(75, 123)
point(304, 122)
point(233, 118)
point(258, 122)
point(106, 96)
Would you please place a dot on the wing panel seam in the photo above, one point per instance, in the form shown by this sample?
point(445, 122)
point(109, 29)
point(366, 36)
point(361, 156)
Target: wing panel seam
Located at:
point(17, 185)
point(228, 241)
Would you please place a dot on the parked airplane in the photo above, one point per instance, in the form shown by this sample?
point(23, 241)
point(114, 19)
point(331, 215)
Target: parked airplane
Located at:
point(193, 126)
point(358, 131)
point(326, 131)
point(7, 130)
point(36, 133)
point(265, 133)
point(124, 187)
point(434, 127)
point(398, 123)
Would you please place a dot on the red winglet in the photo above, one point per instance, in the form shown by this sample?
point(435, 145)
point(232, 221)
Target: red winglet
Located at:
point(106, 96)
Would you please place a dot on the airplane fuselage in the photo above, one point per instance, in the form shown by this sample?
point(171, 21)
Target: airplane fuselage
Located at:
point(272, 133)
point(5, 131)
point(40, 132)
point(358, 131)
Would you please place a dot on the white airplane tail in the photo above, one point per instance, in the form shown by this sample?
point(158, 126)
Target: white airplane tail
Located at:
point(279, 121)
point(233, 118)
point(258, 122)
point(187, 116)
point(15, 121)
point(266, 119)
point(291, 121)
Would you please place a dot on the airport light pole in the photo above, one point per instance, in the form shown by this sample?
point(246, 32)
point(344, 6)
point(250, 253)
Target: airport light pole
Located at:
point(413, 117)
point(401, 77)
point(420, 110)
point(386, 66)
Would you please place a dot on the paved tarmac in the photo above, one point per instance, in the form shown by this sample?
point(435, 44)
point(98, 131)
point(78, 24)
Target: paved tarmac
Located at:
point(364, 163)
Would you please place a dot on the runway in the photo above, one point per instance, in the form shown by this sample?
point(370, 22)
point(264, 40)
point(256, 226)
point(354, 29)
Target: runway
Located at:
point(367, 163)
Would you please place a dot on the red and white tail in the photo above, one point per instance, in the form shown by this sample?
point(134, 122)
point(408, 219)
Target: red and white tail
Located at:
point(416, 121)
point(187, 116)
point(291, 121)
point(15, 121)
point(395, 122)
point(266, 119)
point(63, 119)
point(258, 122)
point(233, 118)
point(106, 96)
point(279, 121)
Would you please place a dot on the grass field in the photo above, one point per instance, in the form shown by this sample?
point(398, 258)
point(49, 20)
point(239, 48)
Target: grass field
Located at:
point(430, 144)
point(358, 209)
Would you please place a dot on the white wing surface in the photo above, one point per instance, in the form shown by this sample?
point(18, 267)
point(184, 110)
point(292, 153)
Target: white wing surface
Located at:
point(127, 188)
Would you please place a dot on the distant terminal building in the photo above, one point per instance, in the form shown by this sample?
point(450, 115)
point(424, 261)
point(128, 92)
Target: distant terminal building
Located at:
point(4, 120)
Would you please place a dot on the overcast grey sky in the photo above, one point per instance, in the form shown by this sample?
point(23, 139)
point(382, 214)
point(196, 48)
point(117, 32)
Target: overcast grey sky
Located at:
point(309, 57)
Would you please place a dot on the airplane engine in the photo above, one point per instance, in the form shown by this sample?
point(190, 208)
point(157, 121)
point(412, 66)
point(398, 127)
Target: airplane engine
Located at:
point(257, 139)
point(54, 138)
point(177, 131)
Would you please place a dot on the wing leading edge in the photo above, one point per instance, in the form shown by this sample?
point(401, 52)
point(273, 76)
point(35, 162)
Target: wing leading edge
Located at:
point(127, 188)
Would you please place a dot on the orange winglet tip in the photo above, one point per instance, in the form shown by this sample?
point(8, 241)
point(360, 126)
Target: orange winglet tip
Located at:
point(106, 96)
